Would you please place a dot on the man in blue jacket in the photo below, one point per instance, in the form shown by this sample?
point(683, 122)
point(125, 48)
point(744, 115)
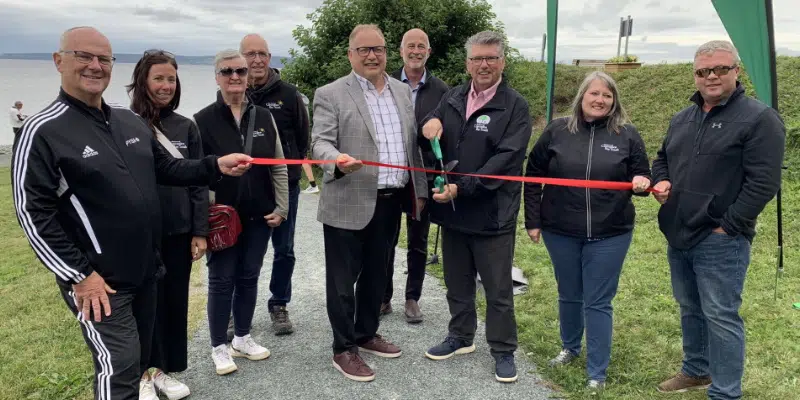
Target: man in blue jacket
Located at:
point(719, 166)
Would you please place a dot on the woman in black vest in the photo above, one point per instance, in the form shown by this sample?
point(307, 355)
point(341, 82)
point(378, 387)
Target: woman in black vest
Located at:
point(156, 92)
point(261, 199)
point(587, 232)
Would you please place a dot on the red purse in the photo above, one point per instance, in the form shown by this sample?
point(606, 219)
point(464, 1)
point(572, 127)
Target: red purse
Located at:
point(224, 225)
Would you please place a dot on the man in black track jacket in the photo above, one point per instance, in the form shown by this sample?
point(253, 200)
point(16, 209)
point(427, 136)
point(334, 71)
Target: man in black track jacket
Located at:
point(84, 179)
point(285, 102)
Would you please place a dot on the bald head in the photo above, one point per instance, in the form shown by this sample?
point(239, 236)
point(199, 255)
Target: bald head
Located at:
point(253, 40)
point(415, 49)
point(415, 34)
point(84, 60)
point(256, 51)
point(80, 34)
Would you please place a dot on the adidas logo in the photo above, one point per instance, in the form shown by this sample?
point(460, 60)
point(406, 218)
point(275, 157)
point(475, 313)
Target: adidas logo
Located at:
point(89, 152)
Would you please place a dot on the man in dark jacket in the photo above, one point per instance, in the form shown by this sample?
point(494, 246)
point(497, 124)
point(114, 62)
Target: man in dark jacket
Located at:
point(426, 91)
point(84, 177)
point(486, 126)
point(286, 105)
point(719, 166)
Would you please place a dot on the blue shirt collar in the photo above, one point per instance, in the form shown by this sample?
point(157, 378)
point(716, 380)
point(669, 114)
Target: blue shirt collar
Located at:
point(404, 78)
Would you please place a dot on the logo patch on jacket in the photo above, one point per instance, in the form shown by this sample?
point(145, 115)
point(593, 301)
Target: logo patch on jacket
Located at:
point(178, 144)
point(481, 122)
point(272, 105)
point(609, 147)
point(131, 141)
point(258, 132)
point(89, 152)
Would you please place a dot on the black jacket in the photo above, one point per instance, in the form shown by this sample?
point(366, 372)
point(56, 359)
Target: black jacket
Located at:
point(185, 209)
point(723, 168)
point(593, 153)
point(428, 98)
point(263, 189)
point(285, 103)
point(85, 191)
point(492, 141)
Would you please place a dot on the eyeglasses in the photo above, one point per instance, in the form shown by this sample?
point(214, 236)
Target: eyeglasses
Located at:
point(250, 55)
point(84, 57)
point(489, 60)
point(158, 52)
point(227, 72)
point(720, 70)
point(364, 51)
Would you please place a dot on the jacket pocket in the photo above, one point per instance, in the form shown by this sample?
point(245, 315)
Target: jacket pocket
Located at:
point(693, 208)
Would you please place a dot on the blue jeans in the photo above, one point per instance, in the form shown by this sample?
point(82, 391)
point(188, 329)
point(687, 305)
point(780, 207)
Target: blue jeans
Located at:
point(233, 276)
point(707, 282)
point(587, 273)
point(280, 283)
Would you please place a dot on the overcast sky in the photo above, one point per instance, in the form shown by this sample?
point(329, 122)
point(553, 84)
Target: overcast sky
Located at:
point(662, 30)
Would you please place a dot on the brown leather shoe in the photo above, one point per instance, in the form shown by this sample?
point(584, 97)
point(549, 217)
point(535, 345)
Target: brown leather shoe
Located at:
point(352, 366)
point(381, 348)
point(682, 383)
point(386, 309)
point(413, 313)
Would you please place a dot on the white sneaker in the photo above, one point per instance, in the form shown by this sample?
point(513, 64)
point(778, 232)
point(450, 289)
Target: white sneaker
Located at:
point(223, 360)
point(248, 348)
point(311, 190)
point(146, 391)
point(170, 386)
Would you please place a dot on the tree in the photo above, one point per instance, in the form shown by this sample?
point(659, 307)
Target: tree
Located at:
point(448, 23)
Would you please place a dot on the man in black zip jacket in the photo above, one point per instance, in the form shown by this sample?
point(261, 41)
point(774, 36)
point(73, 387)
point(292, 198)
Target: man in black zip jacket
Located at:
point(719, 166)
point(84, 178)
point(486, 126)
point(284, 101)
point(426, 92)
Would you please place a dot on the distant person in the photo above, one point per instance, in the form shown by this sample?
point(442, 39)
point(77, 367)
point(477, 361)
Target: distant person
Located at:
point(156, 94)
point(587, 232)
point(426, 91)
point(364, 115)
point(307, 170)
point(16, 117)
point(266, 89)
point(261, 198)
point(85, 178)
point(719, 166)
point(486, 126)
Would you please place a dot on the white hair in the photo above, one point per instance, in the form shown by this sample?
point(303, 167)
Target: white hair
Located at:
point(717, 45)
point(227, 54)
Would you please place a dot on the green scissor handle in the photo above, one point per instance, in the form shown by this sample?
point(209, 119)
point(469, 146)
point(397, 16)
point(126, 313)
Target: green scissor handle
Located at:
point(437, 150)
point(439, 183)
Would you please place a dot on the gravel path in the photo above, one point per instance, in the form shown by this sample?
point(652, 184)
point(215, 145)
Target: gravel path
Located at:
point(300, 366)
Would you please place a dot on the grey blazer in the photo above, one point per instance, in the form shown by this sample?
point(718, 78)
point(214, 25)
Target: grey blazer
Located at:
point(342, 124)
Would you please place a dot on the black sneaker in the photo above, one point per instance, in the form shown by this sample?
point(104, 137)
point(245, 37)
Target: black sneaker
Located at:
point(505, 370)
point(448, 348)
point(280, 321)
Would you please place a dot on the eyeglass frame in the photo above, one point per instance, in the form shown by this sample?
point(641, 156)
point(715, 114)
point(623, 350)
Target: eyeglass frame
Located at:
point(233, 71)
point(490, 60)
point(705, 72)
point(373, 49)
point(251, 55)
point(79, 53)
point(158, 52)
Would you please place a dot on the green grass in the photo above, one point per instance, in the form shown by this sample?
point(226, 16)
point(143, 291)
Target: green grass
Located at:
point(42, 352)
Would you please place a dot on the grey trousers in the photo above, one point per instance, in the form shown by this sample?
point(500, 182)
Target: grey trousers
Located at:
point(465, 255)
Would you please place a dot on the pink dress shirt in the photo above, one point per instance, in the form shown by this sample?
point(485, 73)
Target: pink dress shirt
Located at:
point(477, 100)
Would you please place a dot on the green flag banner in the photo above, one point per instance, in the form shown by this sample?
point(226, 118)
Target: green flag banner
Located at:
point(552, 29)
point(748, 23)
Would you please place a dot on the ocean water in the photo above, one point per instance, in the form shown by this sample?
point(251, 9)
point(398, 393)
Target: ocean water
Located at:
point(36, 84)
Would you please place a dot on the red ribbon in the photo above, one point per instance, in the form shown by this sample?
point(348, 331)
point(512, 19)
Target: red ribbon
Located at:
point(608, 185)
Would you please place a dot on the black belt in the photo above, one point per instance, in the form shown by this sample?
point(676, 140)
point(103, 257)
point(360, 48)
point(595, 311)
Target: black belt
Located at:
point(388, 192)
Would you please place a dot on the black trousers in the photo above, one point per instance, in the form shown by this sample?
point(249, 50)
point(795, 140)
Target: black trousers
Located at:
point(358, 258)
point(416, 256)
point(120, 343)
point(169, 348)
point(490, 256)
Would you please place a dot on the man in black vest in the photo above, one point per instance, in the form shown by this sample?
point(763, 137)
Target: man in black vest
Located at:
point(426, 91)
point(285, 103)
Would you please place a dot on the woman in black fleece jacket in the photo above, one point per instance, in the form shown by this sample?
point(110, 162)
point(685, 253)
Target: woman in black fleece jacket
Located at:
point(156, 93)
point(587, 232)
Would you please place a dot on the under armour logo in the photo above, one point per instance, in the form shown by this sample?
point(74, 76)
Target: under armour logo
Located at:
point(716, 124)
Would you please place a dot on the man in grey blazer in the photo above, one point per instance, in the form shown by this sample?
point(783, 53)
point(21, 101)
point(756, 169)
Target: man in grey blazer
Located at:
point(365, 115)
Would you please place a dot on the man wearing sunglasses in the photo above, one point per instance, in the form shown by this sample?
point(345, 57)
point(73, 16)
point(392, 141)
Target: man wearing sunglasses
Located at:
point(718, 167)
point(364, 115)
point(284, 101)
point(85, 177)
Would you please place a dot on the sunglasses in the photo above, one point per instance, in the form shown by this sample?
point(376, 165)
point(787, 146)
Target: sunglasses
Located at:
point(718, 71)
point(158, 52)
point(227, 72)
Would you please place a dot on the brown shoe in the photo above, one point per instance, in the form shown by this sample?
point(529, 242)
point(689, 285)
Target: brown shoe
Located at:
point(386, 309)
point(413, 313)
point(682, 383)
point(352, 366)
point(380, 347)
